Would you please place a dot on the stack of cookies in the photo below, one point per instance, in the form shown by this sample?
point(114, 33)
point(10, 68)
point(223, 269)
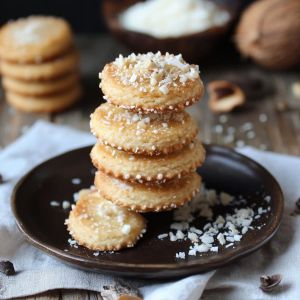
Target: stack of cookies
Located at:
point(147, 152)
point(39, 64)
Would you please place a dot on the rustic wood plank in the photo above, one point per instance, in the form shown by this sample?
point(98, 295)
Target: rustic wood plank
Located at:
point(52, 295)
point(14, 123)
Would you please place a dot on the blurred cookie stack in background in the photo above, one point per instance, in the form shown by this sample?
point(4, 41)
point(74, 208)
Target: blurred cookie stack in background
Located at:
point(147, 152)
point(39, 64)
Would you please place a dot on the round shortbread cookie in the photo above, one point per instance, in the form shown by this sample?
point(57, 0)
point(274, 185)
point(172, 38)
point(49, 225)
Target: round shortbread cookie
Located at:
point(35, 39)
point(141, 168)
point(43, 71)
point(148, 196)
point(150, 134)
point(100, 225)
point(40, 88)
point(151, 82)
point(46, 104)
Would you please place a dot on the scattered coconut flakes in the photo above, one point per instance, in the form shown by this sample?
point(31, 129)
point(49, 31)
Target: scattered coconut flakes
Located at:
point(72, 243)
point(76, 197)
point(180, 255)
point(54, 203)
point(221, 230)
point(180, 226)
point(229, 239)
point(76, 181)
point(192, 252)
point(66, 204)
point(196, 230)
point(180, 235)
point(193, 237)
point(206, 239)
point(202, 247)
point(221, 238)
point(237, 237)
point(267, 199)
point(162, 236)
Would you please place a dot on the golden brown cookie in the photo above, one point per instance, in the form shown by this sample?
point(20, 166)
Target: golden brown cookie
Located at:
point(35, 39)
point(46, 104)
point(40, 88)
point(141, 168)
point(100, 225)
point(151, 82)
point(150, 134)
point(148, 196)
point(42, 71)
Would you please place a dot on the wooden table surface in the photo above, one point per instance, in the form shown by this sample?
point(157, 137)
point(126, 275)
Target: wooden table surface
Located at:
point(261, 123)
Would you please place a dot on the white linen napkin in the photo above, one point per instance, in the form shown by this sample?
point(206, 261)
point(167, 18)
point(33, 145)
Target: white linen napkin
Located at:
point(38, 272)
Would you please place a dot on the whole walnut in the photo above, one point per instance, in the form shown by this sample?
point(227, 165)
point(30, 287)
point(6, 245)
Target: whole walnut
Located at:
point(269, 33)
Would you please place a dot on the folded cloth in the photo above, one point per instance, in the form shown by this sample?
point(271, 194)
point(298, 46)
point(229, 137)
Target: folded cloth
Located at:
point(38, 272)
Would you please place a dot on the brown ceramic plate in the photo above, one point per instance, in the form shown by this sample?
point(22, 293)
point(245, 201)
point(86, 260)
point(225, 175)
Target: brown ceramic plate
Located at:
point(224, 169)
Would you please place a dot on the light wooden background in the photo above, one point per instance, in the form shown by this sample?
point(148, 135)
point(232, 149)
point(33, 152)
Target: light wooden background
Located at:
point(280, 133)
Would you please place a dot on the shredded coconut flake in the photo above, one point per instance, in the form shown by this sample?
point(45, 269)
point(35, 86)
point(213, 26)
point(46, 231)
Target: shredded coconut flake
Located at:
point(180, 255)
point(126, 228)
point(221, 230)
point(150, 71)
point(54, 203)
point(66, 204)
point(76, 181)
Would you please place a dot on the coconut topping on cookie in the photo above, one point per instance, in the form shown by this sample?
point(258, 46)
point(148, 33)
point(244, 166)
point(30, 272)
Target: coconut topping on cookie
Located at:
point(154, 70)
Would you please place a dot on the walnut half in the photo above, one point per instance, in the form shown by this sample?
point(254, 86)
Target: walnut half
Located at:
point(224, 96)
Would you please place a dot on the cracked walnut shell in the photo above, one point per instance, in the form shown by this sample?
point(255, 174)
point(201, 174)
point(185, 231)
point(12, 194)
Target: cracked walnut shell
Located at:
point(224, 96)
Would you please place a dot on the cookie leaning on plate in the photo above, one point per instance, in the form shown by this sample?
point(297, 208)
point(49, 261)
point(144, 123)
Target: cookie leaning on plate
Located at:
point(150, 134)
point(151, 82)
point(100, 225)
point(142, 168)
point(148, 197)
point(35, 39)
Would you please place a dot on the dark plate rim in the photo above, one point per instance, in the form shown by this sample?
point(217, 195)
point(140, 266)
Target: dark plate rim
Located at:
point(94, 264)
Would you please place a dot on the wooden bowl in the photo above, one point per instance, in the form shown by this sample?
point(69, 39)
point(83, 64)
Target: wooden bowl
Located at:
point(193, 47)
